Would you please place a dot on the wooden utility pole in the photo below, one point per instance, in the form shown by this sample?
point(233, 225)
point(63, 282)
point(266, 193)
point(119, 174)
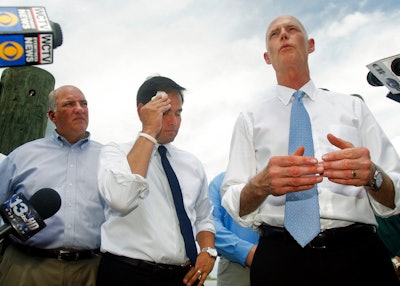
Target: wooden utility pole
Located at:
point(23, 105)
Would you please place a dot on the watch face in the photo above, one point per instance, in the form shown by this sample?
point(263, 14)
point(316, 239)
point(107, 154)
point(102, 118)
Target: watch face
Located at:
point(378, 180)
point(213, 252)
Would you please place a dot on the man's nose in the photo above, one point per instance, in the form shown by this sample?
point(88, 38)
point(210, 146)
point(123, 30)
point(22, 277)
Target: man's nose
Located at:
point(284, 34)
point(172, 119)
point(80, 107)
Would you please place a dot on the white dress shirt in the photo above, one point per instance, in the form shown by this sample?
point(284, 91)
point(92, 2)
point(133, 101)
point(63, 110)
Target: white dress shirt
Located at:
point(141, 220)
point(263, 132)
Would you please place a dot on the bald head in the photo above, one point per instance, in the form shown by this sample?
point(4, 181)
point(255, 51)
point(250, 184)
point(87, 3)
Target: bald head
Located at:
point(284, 19)
point(68, 110)
point(51, 103)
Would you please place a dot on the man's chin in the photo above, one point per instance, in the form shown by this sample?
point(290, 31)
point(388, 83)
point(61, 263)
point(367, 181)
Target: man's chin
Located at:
point(167, 137)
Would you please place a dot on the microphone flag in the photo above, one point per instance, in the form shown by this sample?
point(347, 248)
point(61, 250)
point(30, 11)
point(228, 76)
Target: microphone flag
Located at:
point(27, 36)
point(23, 218)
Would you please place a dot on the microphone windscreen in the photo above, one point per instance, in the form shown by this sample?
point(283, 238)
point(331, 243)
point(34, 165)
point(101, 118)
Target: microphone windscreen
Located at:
point(373, 80)
point(395, 66)
point(46, 202)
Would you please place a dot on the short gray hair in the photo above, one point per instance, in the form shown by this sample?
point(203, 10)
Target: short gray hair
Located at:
point(51, 101)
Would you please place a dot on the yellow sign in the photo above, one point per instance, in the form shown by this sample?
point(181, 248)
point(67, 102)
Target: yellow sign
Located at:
point(11, 51)
point(8, 19)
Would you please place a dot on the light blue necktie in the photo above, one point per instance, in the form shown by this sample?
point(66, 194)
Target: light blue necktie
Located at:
point(302, 209)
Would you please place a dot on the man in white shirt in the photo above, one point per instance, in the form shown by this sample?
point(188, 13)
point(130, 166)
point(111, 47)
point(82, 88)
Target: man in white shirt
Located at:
point(355, 168)
point(141, 238)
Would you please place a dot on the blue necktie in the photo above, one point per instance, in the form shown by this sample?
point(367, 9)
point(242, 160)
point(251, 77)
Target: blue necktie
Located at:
point(184, 221)
point(302, 209)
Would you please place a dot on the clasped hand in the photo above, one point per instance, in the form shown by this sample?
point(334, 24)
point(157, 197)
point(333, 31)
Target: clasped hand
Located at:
point(348, 166)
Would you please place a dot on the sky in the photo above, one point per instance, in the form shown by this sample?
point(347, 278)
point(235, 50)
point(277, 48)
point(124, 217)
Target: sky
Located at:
point(214, 48)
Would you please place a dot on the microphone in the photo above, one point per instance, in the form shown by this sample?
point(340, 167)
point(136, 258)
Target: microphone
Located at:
point(386, 72)
point(25, 218)
point(395, 66)
point(27, 36)
point(373, 80)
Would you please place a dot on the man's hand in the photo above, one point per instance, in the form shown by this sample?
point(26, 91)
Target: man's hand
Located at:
point(282, 175)
point(204, 265)
point(348, 166)
point(151, 114)
point(293, 173)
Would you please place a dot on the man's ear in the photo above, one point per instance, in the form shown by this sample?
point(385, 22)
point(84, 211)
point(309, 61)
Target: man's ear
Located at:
point(311, 45)
point(139, 107)
point(266, 58)
point(51, 116)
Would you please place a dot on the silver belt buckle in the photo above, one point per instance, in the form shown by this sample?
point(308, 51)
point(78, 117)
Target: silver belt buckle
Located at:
point(67, 255)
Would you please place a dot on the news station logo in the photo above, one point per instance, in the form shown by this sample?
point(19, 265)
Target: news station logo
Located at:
point(8, 19)
point(22, 217)
point(26, 36)
point(11, 51)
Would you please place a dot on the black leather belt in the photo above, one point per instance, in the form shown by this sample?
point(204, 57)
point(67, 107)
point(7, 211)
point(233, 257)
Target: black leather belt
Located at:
point(165, 270)
point(60, 254)
point(330, 238)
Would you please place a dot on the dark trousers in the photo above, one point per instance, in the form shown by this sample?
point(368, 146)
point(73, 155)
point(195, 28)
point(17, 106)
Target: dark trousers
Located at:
point(116, 270)
point(356, 260)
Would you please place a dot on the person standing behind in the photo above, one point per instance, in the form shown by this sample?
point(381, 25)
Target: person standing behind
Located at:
point(389, 232)
point(349, 160)
point(141, 239)
point(66, 251)
point(235, 244)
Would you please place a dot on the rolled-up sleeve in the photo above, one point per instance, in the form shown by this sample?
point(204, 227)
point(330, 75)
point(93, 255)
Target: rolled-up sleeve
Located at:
point(121, 189)
point(204, 209)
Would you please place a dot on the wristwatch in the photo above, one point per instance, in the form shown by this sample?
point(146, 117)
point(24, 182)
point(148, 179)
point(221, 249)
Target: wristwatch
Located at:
point(211, 251)
point(396, 265)
point(377, 180)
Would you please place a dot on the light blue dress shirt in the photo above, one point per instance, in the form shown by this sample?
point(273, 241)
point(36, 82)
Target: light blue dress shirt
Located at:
point(231, 240)
point(51, 162)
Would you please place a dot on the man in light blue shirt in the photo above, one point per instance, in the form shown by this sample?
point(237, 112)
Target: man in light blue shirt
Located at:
point(64, 252)
point(236, 245)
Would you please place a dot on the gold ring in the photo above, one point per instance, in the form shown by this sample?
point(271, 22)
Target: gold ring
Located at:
point(198, 271)
point(354, 173)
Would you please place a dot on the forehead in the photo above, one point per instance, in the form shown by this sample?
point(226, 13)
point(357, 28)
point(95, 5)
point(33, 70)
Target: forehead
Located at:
point(176, 97)
point(70, 94)
point(283, 22)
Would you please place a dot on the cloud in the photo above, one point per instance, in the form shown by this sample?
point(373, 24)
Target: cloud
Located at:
point(214, 49)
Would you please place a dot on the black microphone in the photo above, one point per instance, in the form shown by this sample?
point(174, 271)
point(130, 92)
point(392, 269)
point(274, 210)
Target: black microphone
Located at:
point(27, 36)
point(395, 66)
point(373, 80)
point(386, 72)
point(25, 218)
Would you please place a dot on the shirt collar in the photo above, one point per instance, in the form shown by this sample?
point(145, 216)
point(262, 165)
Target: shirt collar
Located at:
point(64, 142)
point(285, 93)
point(168, 146)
